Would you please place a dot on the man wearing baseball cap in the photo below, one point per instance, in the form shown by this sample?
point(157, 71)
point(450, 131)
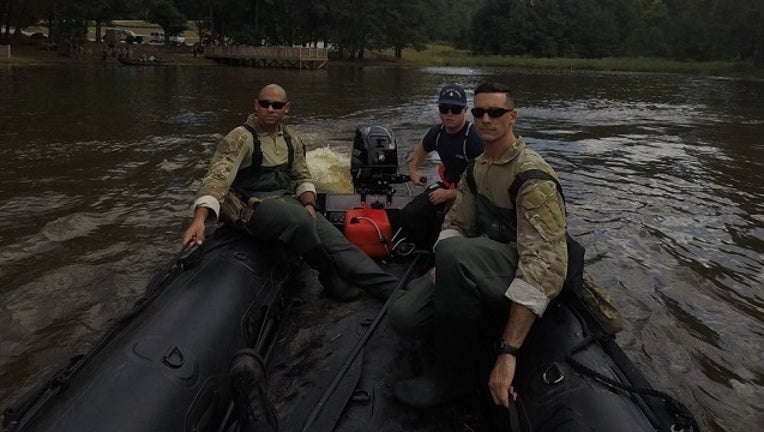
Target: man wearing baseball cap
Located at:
point(457, 143)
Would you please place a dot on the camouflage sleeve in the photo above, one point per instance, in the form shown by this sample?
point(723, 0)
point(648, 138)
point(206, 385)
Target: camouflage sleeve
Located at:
point(541, 246)
point(225, 163)
point(460, 219)
point(303, 181)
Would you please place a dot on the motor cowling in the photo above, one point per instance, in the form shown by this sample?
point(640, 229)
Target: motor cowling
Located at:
point(374, 163)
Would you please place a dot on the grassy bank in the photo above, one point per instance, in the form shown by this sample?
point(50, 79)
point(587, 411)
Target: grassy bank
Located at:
point(445, 55)
point(35, 55)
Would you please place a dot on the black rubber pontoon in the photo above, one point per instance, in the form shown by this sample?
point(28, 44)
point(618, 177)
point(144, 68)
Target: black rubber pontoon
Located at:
point(165, 366)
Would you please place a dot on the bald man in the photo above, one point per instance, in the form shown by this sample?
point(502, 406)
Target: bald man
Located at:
point(259, 182)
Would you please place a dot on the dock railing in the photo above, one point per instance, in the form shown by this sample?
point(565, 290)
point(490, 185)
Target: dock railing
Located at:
point(287, 57)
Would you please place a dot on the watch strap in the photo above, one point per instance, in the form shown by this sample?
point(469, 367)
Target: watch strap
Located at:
point(503, 347)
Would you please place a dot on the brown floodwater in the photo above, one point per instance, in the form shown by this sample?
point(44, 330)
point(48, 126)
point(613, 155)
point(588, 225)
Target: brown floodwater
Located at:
point(662, 173)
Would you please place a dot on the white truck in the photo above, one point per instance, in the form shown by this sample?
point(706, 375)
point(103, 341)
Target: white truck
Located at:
point(115, 36)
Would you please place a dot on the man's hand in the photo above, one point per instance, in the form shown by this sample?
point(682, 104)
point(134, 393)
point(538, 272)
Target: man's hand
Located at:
point(195, 232)
point(441, 195)
point(416, 177)
point(311, 210)
point(501, 378)
point(432, 275)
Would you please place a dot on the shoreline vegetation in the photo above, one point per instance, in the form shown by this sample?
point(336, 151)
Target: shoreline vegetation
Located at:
point(31, 53)
point(433, 55)
point(445, 55)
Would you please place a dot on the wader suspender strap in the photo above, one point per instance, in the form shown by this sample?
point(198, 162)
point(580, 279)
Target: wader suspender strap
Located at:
point(257, 153)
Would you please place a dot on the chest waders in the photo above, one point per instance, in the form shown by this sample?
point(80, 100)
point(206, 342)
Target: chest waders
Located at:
point(257, 178)
point(292, 230)
point(500, 224)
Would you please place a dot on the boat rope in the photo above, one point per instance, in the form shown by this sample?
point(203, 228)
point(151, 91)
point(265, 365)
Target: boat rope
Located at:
point(401, 246)
point(684, 418)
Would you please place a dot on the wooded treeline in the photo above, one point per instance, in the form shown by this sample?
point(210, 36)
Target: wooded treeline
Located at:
point(675, 29)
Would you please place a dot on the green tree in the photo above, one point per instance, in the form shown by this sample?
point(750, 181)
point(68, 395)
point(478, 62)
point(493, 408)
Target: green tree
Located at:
point(166, 15)
point(15, 15)
point(501, 27)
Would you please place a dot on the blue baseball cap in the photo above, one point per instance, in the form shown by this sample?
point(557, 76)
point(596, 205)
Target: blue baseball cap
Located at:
point(453, 94)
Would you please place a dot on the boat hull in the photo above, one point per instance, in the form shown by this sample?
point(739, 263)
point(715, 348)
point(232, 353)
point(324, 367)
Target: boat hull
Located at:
point(166, 368)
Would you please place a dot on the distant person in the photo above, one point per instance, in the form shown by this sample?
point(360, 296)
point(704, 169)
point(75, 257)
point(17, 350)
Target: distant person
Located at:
point(499, 261)
point(259, 182)
point(457, 143)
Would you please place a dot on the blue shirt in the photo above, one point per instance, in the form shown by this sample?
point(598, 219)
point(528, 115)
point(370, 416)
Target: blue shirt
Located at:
point(455, 150)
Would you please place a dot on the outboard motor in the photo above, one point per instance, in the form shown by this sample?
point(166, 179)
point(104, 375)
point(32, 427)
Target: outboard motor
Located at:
point(374, 163)
point(374, 168)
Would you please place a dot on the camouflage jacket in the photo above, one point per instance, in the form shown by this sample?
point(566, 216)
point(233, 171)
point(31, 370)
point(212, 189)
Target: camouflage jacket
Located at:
point(541, 223)
point(234, 153)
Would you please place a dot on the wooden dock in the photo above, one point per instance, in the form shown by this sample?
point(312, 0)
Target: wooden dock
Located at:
point(269, 57)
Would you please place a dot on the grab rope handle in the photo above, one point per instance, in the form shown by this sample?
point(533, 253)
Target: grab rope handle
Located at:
point(685, 421)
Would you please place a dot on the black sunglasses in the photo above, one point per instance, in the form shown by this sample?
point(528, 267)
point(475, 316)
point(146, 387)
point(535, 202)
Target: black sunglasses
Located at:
point(478, 113)
point(266, 103)
point(455, 109)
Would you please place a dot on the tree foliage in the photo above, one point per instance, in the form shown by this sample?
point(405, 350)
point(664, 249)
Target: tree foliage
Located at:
point(677, 29)
point(166, 15)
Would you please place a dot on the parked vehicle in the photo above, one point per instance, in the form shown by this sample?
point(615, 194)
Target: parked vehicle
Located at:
point(156, 37)
point(159, 38)
point(177, 39)
point(119, 35)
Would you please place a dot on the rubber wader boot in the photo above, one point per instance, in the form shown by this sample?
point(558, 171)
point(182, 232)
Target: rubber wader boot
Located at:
point(454, 373)
point(335, 287)
point(248, 381)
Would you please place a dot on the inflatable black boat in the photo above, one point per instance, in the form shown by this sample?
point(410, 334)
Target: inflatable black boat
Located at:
point(231, 337)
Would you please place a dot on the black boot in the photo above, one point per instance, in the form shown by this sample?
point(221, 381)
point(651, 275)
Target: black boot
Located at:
point(334, 286)
point(454, 373)
point(248, 381)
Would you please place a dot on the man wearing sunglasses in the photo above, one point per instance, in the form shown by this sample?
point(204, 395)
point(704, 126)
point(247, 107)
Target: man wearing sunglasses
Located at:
point(259, 182)
point(457, 143)
point(499, 260)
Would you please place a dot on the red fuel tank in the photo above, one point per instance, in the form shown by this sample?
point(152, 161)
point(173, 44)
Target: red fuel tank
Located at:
point(370, 230)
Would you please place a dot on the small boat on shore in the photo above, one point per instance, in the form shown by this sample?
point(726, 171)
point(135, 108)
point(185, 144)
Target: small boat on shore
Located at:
point(236, 337)
point(140, 62)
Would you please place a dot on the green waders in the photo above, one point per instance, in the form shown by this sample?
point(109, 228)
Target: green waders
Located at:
point(472, 275)
point(322, 246)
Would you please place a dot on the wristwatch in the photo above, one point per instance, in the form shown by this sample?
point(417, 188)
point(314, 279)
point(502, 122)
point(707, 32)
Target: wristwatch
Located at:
point(502, 347)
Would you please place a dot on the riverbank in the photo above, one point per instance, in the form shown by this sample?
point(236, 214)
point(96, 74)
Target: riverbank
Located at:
point(433, 55)
point(92, 52)
point(445, 55)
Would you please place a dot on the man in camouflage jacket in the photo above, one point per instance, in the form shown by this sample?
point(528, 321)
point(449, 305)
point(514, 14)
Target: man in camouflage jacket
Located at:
point(495, 260)
point(259, 182)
